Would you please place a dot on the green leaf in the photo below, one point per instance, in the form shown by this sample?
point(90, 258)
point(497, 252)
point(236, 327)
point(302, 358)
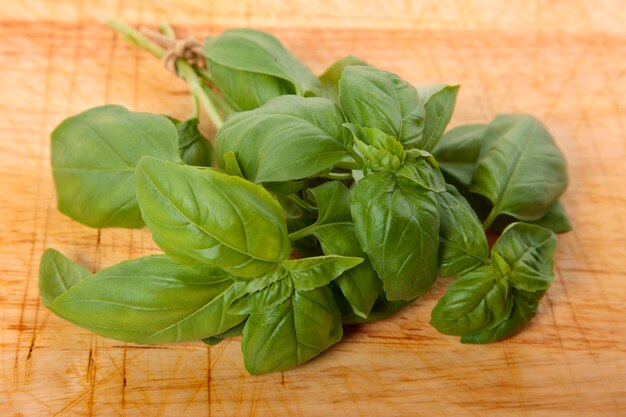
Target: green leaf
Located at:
point(463, 243)
point(250, 67)
point(202, 215)
point(378, 99)
point(231, 166)
point(150, 300)
point(422, 173)
point(288, 138)
point(555, 220)
point(330, 78)
point(458, 151)
point(524, 309)
point(397, 224)
point(290, 334)
point(335, 231)
point(522, 172)
point(381, 152)
point(309, 273)
point(382, 309)
point(93, 161)
point(267, 297)
point(218, 338)
point(438, 101)
point(476, 301)
point(528, 250)
point(57, 274)
point(194, 148)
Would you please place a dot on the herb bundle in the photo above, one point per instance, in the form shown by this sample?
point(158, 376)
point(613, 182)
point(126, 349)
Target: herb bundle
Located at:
point(336, 199)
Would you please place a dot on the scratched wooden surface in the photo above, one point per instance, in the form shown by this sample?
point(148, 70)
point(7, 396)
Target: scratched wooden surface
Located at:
point(563, 61)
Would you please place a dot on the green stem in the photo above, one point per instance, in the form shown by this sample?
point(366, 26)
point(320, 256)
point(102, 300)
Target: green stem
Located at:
point(219, 101)
point(304, 232)
point(133, 36)
point(338, 176)
point(348, 163)
point(357, 158)
point(489, 220)
point(300, 202)
point(167, 30)
point(195, 86)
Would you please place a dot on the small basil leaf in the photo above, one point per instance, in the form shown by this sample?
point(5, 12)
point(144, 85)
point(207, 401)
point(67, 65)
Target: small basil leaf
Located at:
point(330, 78)
point(290, 334)
point(438, 101)
point(382, 309)
point(522, 172)
point(555, 220)
point(233, 331)
point(422, 173)
point(202, 215)
point(476, 301)
point(397, 224)
point(380, 150)
point(231, 166)
point(57, 274)
point(529, 251)
point(309, 273)
point(333, 203)
point(151, 300)
point(458, 151)
point(262, 67)
point(288, 138)
point(463, 243)
point(194, 148)
point(524, 309)
point(100, 147)
point(378, 99)
point(268, 297)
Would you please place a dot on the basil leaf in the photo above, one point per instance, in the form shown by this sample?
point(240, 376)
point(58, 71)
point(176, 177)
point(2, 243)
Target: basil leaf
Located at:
point(463, 243)
point(334, 229)
point(309, 273)
point(397, 224)
point(57, 274)
point(522, 172)
point(438, 101)
point(524, 309)
point(290, 334)
point(267, 297)
point(194, 148)
point(231, 166)
point(555, 220)
point(528, 251)
point(378, 99)
point(380, 151)
point(422, 173)
point(233, 331)
point(458, 151)
point(330, 78)
point(382, 309)
point(250, 67)
point(476, 301)
point(288, 138)
point(99, 148)
point(150, 300)
point(202, 215)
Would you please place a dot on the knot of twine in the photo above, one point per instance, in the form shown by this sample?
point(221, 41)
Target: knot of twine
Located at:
point(187, 48)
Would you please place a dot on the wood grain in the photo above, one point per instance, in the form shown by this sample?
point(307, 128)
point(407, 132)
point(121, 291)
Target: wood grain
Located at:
point(562, 61)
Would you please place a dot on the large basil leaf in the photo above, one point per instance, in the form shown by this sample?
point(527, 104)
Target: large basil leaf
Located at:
point(309, 273)
point(524, 309)
point(335, 231)
point(438, 101)
point(476, 301)
point(149, 300)
point(218, 338)
point(99, 148)
point(202, 215)
point(555, 220)
point(250, 67)
point(194, 148)
point(288, 335)
point(57, 274)
point(463, 243)
point(522, 172)
point(458, 151)
point(525, 253)
point(288, 138)
point(378, 99)
point(330, 78)
point(397, 223)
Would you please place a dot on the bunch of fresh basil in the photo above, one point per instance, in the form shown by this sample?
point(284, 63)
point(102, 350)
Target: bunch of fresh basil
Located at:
point(336, 200)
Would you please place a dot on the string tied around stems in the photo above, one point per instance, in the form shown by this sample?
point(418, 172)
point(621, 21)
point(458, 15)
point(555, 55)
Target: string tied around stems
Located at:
point(187, 49)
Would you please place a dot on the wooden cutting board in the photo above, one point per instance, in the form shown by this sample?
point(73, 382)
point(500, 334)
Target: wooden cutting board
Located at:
point(562, 61)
